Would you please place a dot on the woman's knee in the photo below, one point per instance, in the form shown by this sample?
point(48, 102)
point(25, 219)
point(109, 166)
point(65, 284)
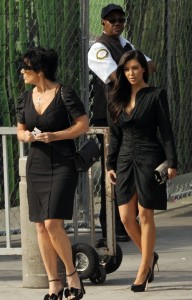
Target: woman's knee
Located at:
point(52, 226)
point(124, 220)
point(146, 215)
point(127, 221)
point(40, 227)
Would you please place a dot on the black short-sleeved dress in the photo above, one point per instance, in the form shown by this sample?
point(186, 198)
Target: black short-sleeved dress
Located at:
point(51, 174)
point(135, 149)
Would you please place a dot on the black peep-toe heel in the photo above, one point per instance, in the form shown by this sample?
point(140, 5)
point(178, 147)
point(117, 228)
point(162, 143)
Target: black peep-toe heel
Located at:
point(155, 262)
point(74, 292)
point(53, 296)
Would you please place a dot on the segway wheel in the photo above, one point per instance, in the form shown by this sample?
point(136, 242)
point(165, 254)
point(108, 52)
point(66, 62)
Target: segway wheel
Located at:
point(85, 259)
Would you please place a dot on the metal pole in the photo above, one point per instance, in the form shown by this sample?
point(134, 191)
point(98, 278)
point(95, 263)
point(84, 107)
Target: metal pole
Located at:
point(110, 200)
point(110, 211)
point(84, 9)
point(169, 52)
point(6, 189)
point(85, 48)
point(92, 208)
point(75, 218)
point(21, 149)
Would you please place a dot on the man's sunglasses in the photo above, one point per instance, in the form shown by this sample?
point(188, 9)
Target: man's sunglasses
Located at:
point(116, 20)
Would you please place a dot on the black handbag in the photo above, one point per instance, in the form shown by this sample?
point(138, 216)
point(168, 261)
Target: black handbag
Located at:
point(161, 172)
point(88, 153)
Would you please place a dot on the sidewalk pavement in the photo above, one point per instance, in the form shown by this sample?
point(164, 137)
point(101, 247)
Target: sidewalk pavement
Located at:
point(173, 282)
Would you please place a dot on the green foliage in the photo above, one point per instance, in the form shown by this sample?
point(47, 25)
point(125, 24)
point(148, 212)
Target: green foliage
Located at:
point(23, 24)
point(4, 104)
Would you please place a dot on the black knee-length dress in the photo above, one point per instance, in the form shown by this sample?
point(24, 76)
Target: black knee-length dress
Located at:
point(135, 149)
point(50, 169)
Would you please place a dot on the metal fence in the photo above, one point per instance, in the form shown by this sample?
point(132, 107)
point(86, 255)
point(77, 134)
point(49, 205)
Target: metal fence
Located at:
point(161, 29)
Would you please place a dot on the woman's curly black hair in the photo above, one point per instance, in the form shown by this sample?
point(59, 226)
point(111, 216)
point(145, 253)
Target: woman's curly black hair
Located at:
point(42, 59)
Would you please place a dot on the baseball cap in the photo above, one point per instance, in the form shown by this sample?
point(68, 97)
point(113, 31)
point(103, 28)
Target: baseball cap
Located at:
point(109, 8)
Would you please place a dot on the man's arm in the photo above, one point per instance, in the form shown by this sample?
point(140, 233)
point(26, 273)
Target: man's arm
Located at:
point(101, 62)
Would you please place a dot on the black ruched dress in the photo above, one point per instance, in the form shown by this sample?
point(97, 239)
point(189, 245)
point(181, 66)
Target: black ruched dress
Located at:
point(50, 169)
point(135, 149)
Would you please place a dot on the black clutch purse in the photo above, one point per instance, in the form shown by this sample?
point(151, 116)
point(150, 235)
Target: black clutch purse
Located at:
point(161, 172)
point(87, 155)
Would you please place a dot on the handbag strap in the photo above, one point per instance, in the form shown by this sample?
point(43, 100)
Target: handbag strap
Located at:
point(67, 110)
point(68, 113)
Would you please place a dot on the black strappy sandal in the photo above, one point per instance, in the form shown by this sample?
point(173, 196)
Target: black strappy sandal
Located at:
point(54, 296)
point(74, 292)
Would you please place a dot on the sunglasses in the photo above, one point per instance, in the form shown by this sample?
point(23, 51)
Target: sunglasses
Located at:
point(116, 20)
point(26, 67)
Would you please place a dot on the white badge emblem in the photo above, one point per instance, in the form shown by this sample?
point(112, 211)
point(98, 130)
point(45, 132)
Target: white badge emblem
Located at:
point(102, 53)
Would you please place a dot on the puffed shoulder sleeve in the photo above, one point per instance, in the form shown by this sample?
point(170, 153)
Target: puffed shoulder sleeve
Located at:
point(164, 123)
point(72, 102)
point(20, 109)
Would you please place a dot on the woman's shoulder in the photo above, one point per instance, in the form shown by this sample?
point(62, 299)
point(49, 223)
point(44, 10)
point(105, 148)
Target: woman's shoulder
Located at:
point(72, 101)
point(69, 93)
point(66, 88)
point(154, 89)
point(24, 96)
point(156, 92)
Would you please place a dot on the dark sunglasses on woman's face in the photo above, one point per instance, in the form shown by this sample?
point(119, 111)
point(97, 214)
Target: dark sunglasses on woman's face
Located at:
point(116, 20)
point(26, 67)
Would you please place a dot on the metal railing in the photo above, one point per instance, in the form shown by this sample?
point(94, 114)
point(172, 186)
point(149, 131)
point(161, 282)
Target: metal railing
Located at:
point(5, 132)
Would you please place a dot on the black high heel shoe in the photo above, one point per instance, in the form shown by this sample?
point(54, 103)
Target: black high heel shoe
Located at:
point(155, 260)
point(141, 287)
point(53, 296)
point(74, 292)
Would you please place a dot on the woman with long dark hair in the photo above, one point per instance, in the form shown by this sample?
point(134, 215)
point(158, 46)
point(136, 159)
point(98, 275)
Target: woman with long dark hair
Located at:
point(138, 111)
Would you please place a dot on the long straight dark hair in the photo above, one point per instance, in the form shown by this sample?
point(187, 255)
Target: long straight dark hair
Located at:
point(121, 92)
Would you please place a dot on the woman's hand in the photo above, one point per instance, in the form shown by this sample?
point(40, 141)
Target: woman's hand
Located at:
point(45, 137)
point(172, 173)
point(28, 137)
point(112, 176)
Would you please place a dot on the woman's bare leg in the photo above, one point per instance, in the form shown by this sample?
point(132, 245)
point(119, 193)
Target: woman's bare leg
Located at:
point(62, 246)
point(128, 215)
point(49, 257)
point(148, 237)
point(143, 234)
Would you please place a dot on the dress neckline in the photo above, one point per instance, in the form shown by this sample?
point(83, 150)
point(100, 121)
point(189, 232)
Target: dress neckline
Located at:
point(56, 92)
point(130, 114)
